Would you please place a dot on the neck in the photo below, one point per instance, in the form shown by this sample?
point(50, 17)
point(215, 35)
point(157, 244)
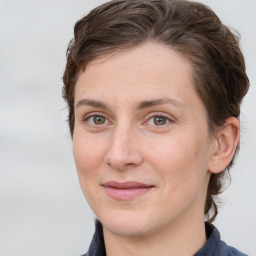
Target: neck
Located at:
point(180, 239)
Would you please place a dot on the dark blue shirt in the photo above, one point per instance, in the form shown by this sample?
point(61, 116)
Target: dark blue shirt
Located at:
point(213, 247)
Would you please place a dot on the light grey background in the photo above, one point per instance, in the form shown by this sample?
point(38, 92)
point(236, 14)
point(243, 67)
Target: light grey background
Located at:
point(42, 210)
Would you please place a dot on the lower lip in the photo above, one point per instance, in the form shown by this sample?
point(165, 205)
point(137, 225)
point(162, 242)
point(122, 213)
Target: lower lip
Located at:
point(126, 194)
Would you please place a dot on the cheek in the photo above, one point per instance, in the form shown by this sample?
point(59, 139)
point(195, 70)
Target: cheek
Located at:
point(170, 153)
point(180, 163)
point(182, 175)
point(88, 157)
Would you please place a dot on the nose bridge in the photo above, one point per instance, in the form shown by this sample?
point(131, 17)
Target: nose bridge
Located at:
point(122, 151)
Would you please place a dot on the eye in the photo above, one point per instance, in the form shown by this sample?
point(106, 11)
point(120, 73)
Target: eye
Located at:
point(96, 120)
point(158, 120)
point(99, 120)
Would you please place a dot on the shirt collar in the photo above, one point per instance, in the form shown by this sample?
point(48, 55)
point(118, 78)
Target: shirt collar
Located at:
point(213, 241)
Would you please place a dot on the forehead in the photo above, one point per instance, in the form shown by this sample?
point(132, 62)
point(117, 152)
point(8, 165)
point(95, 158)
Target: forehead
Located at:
point(148, 67)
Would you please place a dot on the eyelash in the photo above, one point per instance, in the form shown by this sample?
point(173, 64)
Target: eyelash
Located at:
point(152, 116)
point(157, 115)
point(93, 115)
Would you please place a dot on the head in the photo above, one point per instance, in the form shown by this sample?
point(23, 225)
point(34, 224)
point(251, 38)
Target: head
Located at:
point(189, 29)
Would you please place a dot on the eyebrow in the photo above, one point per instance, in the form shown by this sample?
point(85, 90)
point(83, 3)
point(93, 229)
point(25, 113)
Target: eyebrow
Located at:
point(141, 105)
point(92, 103)
point(155, 102)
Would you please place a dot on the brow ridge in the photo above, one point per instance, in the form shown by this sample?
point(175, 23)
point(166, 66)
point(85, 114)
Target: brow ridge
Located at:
point(155, 102)
point(141, 105)
point(92, 103)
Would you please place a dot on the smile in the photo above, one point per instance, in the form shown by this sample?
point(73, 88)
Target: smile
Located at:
point(126, 190)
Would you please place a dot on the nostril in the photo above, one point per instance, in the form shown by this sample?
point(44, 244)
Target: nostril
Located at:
point(129, 164)
point(119, 165)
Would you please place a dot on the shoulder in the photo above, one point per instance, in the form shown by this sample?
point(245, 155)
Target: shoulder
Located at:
point(227, 250)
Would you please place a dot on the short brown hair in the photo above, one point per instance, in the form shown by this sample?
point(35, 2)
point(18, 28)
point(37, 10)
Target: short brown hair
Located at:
point(188, 27)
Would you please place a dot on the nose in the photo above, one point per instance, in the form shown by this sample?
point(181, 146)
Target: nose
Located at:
point(123, 151)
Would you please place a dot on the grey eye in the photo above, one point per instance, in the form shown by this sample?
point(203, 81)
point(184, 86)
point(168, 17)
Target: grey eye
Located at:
point(99, 120)
point(159, 120)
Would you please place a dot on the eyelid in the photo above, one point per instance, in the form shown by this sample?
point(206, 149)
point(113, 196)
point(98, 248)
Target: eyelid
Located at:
point(159, 114)
point(92, 114)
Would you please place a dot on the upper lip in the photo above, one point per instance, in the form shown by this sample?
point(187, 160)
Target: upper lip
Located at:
point(127, 184)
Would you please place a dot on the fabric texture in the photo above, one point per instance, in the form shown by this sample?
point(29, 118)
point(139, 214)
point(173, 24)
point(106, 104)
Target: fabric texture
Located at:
point(213, 247)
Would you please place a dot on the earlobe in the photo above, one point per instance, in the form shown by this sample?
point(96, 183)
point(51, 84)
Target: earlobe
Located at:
point(226, 141)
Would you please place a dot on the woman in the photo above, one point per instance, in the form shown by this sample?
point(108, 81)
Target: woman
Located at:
point(154, 90)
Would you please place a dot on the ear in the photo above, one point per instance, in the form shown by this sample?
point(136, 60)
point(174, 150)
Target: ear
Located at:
point(225, 143)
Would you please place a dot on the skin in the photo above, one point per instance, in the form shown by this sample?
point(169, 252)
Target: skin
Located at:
point(175, 156)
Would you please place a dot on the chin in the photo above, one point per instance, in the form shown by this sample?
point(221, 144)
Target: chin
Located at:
point(132, 225)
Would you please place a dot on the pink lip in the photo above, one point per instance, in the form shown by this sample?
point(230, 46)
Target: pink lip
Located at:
point(126, 190)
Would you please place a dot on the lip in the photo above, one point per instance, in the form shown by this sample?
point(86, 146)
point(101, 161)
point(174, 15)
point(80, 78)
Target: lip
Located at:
point(126, 190)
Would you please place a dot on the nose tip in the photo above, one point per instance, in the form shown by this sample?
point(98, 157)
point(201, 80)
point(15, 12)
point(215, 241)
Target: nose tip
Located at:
point(123, 153)
point(121, 159)
point(121, 163)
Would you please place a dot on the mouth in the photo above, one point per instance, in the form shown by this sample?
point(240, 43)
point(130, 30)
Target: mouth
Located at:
point(126, 190)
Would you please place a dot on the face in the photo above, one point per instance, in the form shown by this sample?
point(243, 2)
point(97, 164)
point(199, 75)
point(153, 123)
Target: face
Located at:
point(141, 141)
